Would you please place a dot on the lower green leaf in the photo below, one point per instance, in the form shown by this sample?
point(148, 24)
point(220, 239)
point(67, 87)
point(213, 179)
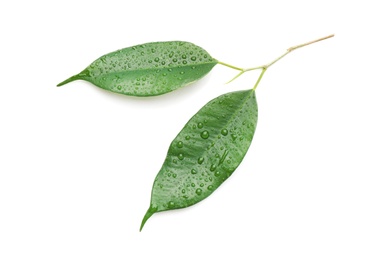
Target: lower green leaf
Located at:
point(206, 152)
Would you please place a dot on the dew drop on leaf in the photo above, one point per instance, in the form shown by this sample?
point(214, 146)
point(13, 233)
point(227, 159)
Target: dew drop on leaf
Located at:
point(199, 191)
point(171, 204)
point(200, 125)
point(204, 134)
point(224, 132)
point(193, 171)
point(200, 160)
point(180, 144)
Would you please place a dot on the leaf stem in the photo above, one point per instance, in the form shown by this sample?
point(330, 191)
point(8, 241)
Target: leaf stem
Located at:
point(266, 66)
point(230, 66)
point(259, 78)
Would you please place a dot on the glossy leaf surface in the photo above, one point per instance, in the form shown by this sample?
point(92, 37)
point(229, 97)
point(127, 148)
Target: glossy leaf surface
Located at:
point(206, 152)
point(149, 69)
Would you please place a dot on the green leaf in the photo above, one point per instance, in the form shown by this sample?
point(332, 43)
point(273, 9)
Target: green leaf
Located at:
point(149, 69)
point(206, 152)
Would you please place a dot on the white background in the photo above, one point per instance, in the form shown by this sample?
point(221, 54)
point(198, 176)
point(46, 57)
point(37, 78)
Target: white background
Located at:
point(78, 163)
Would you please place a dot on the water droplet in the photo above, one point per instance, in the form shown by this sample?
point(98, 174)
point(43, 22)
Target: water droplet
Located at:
point(233, 136)
point(193, 171)
point(224, 132)
point(193, 58)
point(182, 72)
point(171, 54)
point(174, 161)
point(175, 60)
point(192, 184)
point(180, 156)
point(210, 187)
point(157, 59)
point(163, 62)
point(204, 134)
point(142, 53)
point(200, 125)
point(174, 175)
point(180, 144)
point(200, 160)
point(188, 137)
point(164, 74)
point(193, 67)
point(199, 191)
point(201, 184)
point(217, 174)
point(213, 167)
point(153, 50)
point(184, 56)
point(184, 62)
point(205, 56)
point(183, 191)
point(171, 204)
point(170, 70)
point(119, 87)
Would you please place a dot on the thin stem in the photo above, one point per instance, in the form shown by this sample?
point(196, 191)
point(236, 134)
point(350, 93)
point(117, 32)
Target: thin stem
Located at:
point(266, 66)
point(254, 68)
point(277, 59)
point(289, 50)
point(237, 76)
point(307, 43)
point(259, 78)
point(230, 66)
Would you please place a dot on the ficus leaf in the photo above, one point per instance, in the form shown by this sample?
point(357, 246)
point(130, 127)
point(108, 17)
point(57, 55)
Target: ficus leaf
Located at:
point(149, 69)
point(206, 152)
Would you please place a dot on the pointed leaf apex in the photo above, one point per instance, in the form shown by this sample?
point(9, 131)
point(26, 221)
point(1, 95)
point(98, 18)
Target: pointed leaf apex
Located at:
point(147, 215)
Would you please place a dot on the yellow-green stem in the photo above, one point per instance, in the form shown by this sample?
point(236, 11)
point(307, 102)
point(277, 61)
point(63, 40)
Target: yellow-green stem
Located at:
point(266, 66)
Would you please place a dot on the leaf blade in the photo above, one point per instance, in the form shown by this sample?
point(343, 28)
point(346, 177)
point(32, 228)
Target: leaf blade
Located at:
point(149, 69)
point(206, 152)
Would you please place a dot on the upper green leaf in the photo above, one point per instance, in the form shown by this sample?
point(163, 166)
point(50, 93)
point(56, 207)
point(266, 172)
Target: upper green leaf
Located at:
point(206, 152)
point(149, 69)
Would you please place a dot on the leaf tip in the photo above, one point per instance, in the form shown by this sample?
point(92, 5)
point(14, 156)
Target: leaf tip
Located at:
point(67, 80)
point(147, 215)
point(81, 75)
